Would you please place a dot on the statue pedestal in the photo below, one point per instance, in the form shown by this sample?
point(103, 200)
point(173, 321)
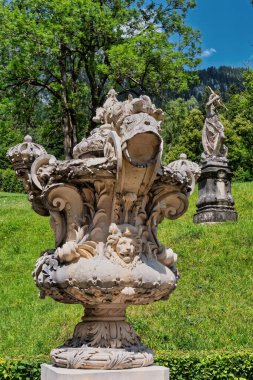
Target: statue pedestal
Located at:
point(215, 203)
point(48, 372)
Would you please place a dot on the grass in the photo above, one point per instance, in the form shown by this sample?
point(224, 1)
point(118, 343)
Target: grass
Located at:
point(211, 309)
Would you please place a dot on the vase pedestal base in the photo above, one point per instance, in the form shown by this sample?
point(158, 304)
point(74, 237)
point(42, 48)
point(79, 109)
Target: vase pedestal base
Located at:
point(103, 340)
point(49, 372)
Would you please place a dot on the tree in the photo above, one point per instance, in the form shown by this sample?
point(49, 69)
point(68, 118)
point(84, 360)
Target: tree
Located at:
point(176, 113)
point(239, 134)
point(189, 141)
point(239, 129)
point(9, 135)
point(74, 51)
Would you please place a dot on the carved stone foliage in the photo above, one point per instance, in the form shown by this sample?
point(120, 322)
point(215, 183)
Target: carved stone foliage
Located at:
point(103, 327)
point(101, 358)
point(106, 334)
point(105, 206)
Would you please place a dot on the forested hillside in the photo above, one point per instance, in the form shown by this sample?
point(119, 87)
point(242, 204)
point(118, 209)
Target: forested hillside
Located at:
point(227, 80)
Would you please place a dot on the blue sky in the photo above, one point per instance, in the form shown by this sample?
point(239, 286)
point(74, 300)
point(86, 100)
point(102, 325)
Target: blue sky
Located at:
point(227, 31)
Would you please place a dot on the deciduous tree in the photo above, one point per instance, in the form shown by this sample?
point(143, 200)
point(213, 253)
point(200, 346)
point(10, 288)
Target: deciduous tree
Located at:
point(74, 51)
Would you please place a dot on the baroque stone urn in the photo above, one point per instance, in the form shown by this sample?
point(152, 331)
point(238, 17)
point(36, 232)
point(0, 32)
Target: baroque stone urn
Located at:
point(105, 206)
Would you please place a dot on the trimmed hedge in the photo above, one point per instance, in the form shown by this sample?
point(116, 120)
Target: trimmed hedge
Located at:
point(208, 366)
point(20, 369)
point(193, 366)
point(9, 182)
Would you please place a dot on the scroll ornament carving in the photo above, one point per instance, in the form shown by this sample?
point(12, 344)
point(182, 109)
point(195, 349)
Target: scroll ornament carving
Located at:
point(105, 206)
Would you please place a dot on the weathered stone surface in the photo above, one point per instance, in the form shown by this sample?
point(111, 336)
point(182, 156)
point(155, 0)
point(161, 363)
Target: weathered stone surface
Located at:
point(105, 206)
point(49, 372)
point(213, 136)
point(215, 203)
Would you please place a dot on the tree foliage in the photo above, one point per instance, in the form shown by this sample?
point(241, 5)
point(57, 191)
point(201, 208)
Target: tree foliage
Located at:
point(72, 52)
point(239, 129)
point(9, 135)
point(189, 141)
point(176, 113)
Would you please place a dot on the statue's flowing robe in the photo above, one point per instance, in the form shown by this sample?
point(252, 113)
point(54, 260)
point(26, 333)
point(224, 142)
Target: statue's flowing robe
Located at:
point(213, 136)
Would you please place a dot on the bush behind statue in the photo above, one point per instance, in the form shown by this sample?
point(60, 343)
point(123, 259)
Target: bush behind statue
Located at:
point(196, 366)
point(208, 366)
point(9, 182)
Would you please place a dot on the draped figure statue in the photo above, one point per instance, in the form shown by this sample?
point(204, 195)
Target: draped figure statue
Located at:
point(213, 136)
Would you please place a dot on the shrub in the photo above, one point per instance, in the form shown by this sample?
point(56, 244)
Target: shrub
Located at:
point(9, 182)
point(187, 366)
point(20, 369)
point(208, 366)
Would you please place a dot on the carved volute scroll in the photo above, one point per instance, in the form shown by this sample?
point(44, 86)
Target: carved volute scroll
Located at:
point(105, 207)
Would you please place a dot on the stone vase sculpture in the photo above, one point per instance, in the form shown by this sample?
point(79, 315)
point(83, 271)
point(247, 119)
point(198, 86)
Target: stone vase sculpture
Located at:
point(105, 206)
point(215, 203)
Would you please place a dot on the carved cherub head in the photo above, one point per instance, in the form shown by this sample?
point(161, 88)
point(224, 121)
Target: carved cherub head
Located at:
point(123, 243)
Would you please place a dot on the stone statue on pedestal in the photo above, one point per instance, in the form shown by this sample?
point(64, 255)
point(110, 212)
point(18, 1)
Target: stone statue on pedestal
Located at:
point(105, 206)
point(213, 136)
point(215, 202)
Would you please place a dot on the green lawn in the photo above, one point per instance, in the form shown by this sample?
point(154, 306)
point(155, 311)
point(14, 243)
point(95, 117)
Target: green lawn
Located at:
point(211, 309)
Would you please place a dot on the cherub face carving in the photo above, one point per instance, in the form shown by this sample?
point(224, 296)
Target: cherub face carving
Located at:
point(124, 245)
point(125, 249)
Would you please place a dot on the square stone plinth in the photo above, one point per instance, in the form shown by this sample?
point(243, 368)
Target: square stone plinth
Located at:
point(49, 372)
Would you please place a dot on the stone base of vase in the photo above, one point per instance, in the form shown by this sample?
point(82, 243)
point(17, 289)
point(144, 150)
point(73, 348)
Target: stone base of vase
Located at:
point(103, 340)
point(49, 372)
point(102, 358)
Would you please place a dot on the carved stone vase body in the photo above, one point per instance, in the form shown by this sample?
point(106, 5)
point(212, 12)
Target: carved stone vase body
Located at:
point(105, 206)
point(215, 203)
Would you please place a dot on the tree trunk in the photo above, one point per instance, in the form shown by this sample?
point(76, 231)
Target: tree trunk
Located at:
point(70, 133)
point(94, 104)
point(69, 116)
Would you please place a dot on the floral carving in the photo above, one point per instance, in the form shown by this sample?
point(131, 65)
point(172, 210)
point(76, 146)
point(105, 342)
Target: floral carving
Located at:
point(87, 358)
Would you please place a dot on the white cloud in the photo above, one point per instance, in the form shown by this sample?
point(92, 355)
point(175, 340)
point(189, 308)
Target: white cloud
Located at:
point(208, 52)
